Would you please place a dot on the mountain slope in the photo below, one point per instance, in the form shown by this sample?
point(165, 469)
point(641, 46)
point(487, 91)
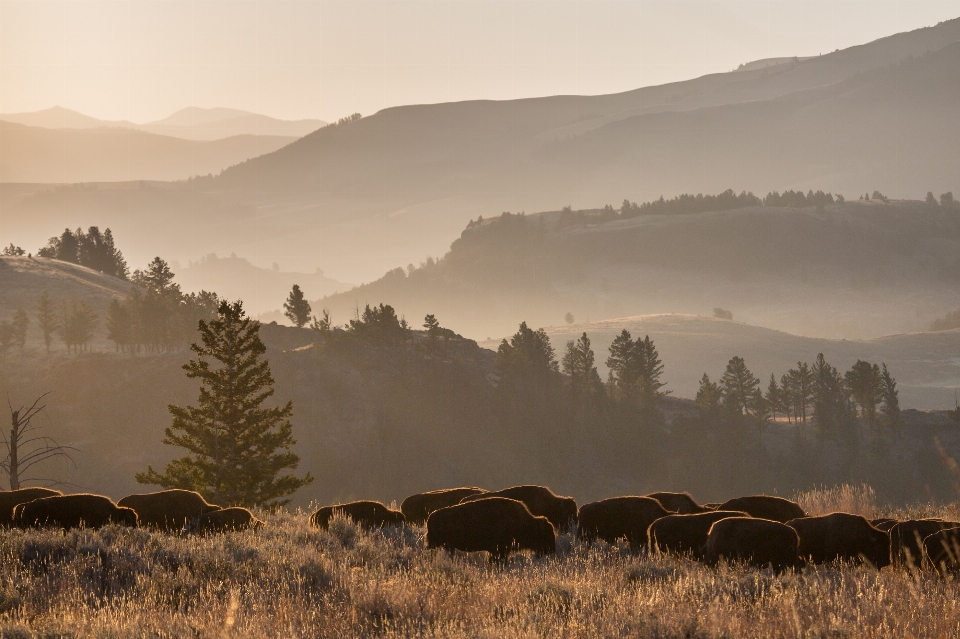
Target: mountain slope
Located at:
point(34, 154)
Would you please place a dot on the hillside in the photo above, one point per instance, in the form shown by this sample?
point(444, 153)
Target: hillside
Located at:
point(34, 154)
point(24, 279)
point(854, 270)
point(261, 289)
point(396, 186)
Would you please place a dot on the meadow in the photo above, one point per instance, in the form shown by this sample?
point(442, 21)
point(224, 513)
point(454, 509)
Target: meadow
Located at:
point(290, 580)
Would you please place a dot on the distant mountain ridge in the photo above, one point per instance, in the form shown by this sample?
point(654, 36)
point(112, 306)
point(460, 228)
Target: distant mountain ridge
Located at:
point(190, 123)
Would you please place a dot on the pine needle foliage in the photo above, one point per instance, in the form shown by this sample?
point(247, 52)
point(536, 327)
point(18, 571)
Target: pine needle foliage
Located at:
point(238, 449)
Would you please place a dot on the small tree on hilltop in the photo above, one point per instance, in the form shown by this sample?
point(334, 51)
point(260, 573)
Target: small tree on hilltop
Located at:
point(237, 448)
point(297, 308)
point(47, 318)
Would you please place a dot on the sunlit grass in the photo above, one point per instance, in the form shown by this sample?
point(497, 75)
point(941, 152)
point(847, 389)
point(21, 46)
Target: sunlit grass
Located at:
point(289, 580)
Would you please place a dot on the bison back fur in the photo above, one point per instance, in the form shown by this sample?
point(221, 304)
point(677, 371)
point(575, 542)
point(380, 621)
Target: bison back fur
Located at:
point(616, 517)
point(366, 514)
point(841, 536)
point(682, 534)
point(680, 503)
point(494, 524)
point(541, 501)
point(416, 508)
point(168, 509)
point(759, 542)
point(766, 507)
point(10, 499)
point(73, 511)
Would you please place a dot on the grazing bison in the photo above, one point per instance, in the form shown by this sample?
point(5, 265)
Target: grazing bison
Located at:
point(72, 511)
point(943, 550)
point(906, 539)
point(366, 514)
point(841, 536)
point(759, 542)
point(680, 503)
point(10, 499)
point(224, 519)
point(616, 517)
point(884, 523)
point(686, 533)
point(495, 524)
point(766, 507)
point(168, 509)
point(416, 508)
point(561, 511)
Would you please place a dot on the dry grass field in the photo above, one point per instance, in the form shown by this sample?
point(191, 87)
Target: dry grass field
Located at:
point(288, 580)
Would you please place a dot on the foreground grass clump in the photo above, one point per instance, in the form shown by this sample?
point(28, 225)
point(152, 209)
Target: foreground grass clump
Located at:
point(288, 580)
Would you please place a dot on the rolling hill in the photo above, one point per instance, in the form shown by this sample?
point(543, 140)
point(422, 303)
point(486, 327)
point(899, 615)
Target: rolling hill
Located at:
point(853, 270)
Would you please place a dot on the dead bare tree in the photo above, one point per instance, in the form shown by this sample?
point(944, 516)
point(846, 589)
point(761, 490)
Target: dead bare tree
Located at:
point(27, 447)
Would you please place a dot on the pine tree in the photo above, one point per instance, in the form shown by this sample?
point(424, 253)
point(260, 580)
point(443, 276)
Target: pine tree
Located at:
point(237, 447)
point(324, 324)
point(432, 325)
point(737, 386)
point(77, 324)
point(118, 324)
point(19, 326)
point(649, 374)
point(866, 388)
point(578, 365)
point(622, 376)
point(297, 308)
point(831, 408)
point(891, 401)
point(775, 397)
point(708, 398)
point(47, 318)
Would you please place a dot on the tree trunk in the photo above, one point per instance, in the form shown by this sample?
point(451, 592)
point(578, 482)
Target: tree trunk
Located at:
point(14, 462)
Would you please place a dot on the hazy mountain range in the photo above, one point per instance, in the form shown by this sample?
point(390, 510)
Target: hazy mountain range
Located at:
point(63, 146)
point(397, 186)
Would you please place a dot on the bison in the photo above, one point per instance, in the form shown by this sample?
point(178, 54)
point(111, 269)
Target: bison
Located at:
point(906, 539)
point(616, 517)
point(10, 499)
point(943, 550)
point(495, 524)
point(72, 511)
point(416, 508)
point(686, 533)
point(759, 542)
point(680, 503)
point(168, 510)
point(841, 536)
point(766, 507)
point(884, 523)
point(366, 514)
point(561, 511)
point(224, 519)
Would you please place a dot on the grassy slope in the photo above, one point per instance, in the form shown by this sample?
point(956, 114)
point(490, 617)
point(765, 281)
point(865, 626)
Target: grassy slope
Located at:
point(291, 580)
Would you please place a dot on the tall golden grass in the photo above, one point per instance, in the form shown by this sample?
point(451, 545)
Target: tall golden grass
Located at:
point(290, 580)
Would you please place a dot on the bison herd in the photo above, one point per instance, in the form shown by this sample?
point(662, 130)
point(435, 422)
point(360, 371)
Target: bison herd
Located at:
point(759, 530)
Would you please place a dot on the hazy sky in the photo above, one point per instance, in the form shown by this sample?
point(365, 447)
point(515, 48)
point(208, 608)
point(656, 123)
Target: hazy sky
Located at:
point(143, 59)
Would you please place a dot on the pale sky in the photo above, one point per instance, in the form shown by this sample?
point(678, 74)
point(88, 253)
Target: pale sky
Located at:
point(141, 60)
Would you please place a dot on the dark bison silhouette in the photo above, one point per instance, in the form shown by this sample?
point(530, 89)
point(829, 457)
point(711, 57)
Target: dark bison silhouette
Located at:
point(943, 550)
point(224, 519)
point(541, 501)
point(366, 514)
point(765, 507)
point(841, 536)
point(680, 503)
point(495, 524)
point(884, 523)
point(616, 517)
point(759, 542)
point(10, 499)
point(168, 509)
point(72, 511)
point(682, 534)
point(906, 539)
point(416, 508)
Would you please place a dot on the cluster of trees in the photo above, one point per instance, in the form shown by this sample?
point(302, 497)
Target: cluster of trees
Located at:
point(92, 249)
point(948, 322)
point(726, 201)
point(74, 321)
point(156, 315)
point(946, 201)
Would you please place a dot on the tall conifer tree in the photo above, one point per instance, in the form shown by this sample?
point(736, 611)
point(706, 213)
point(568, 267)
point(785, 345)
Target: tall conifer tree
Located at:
point(237, 449)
